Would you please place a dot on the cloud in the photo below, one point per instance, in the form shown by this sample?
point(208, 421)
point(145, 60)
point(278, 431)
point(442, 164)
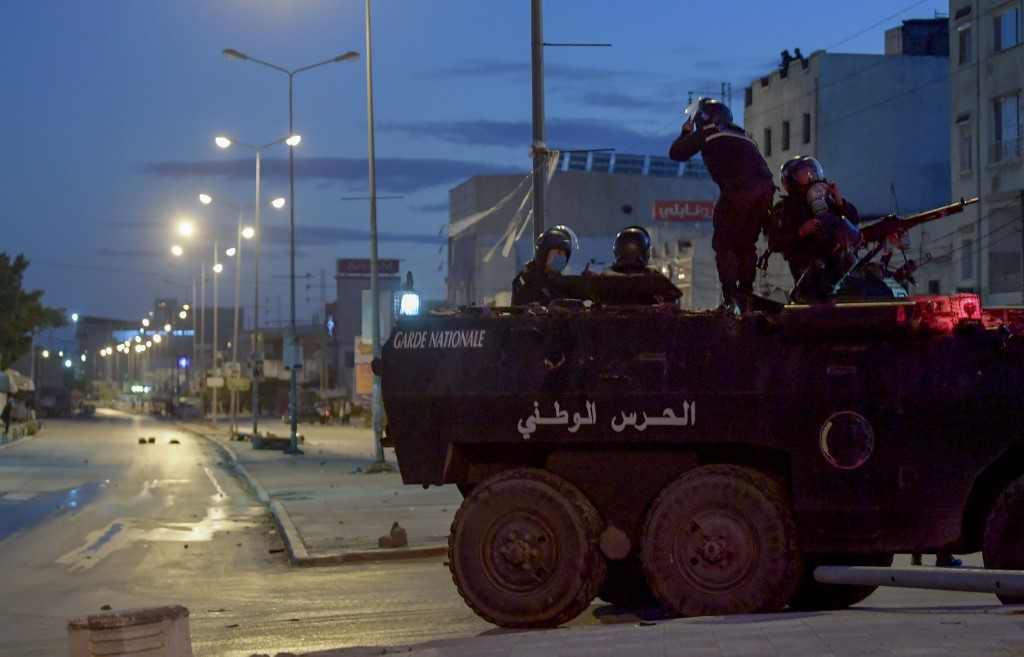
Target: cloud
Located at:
point(321, 235)
point(305, 236)
point(394, 175)
point(432, 207)
point(561, 133)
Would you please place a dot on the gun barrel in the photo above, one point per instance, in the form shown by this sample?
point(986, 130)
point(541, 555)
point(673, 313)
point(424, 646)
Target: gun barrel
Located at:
point(893, 224)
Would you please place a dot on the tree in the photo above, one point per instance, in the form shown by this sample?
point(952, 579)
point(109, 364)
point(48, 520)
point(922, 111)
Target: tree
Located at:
point(21, 313)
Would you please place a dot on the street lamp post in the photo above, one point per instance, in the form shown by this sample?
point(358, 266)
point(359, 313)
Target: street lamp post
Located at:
point(217, 267)
point(247, 233)
point(379, 464)
point(257, 348)
point(292, 340)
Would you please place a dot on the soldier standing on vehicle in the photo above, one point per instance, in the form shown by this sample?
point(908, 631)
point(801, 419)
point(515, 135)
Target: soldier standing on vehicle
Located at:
point(746, 189)
point(814, 228)
point(550, 257)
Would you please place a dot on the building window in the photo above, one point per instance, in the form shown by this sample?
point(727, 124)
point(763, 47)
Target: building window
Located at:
point(1006, 127)
point(767, 142)
point(601, 161)
point(1004, 271)
point(964, 40)
point(966, 148)
point(785, 135)
point(806, 132)
point(967, 259)
point(628, 164)
point(1007, 28)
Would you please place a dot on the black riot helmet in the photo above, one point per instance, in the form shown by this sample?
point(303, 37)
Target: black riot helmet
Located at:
point(711, 112)
point(632, 244)
point(800, 171)
point(556, 237)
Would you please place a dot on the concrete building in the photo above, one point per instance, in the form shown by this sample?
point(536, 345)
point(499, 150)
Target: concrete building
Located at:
point(596, 194)
point(349, 317)
point(982, 248)
point(879, 124)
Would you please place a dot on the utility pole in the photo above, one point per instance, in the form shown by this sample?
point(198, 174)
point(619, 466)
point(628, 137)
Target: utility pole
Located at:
point(538, 149)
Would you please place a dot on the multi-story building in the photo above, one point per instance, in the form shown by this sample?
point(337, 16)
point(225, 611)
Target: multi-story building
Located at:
point(596, 194)
point(879, 124)
point(982, 249)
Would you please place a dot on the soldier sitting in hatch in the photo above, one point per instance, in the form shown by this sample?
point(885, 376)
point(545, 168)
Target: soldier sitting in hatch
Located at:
point(632, 250)
point(814, 229)
point(550, 257)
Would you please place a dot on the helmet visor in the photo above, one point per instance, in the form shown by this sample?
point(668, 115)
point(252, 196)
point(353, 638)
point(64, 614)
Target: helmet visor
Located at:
point(691, 110)
point(570, 234)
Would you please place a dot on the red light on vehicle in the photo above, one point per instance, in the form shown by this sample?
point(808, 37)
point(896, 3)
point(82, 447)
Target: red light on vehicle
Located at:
point(942, 313)
point(967, 306)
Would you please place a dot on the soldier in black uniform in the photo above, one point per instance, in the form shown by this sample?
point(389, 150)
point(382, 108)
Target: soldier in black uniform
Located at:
point(550, 256)
point(632, 251)
point(746, 190)
point(639, 283)
point(814, 228)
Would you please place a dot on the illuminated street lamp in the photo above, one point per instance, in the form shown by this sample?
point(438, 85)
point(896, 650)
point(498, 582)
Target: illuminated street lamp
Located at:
point(236, 252)
point(187, 228)
point(257, 343)
point(292, 338)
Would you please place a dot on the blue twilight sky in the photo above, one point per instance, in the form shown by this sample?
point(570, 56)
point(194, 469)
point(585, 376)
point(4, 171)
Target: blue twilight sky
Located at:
point(109, 108)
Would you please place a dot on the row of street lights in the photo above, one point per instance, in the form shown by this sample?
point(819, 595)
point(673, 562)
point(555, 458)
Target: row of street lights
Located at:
point(187, 229)
point(292, 353)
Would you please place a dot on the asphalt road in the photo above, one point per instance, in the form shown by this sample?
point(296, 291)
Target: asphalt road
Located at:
point(90, 518)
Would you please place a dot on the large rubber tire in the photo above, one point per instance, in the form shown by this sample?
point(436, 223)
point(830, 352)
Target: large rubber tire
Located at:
point(812, 595)
point(1003, 543)
point(721, 539)
point(626, 586)
point(523, 550)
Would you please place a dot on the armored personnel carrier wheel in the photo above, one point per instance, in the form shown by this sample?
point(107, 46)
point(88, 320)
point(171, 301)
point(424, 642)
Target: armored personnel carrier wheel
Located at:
point(523, 550)
point(1003, 543)
point(815, 596)
point(721, 539)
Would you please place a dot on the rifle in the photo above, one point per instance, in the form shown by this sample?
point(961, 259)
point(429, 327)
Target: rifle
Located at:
point(893, 225)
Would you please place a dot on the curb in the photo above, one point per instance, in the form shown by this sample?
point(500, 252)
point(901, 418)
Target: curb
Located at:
point(368, 556)
point(298, 555)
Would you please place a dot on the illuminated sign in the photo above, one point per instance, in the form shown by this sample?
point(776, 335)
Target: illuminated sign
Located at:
point(683, 210)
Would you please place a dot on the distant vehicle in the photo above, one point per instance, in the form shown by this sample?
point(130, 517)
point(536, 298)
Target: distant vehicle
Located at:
point(310, 413)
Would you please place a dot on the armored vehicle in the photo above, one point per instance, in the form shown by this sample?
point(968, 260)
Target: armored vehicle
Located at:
point(707, 460)
point(614, 445)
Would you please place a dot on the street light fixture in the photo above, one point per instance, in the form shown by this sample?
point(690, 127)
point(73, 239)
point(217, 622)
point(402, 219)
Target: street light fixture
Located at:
point(188, 229)
point(247, 233)
point(257, 347)
point(292, 339)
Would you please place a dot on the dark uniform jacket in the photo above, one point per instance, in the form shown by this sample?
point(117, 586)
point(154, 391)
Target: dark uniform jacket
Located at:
point(630, 267)
point(730, 155)
point(531, 285)
point(792, 212)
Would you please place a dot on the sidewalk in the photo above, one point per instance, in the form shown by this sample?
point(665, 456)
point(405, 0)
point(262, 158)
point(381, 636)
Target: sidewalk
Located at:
point(327, 508)
point(329, 511)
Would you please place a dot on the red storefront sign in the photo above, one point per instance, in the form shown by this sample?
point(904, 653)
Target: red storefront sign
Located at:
point(683, 210)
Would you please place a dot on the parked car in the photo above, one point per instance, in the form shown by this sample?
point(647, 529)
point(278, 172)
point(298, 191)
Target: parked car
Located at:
point(310, 413)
